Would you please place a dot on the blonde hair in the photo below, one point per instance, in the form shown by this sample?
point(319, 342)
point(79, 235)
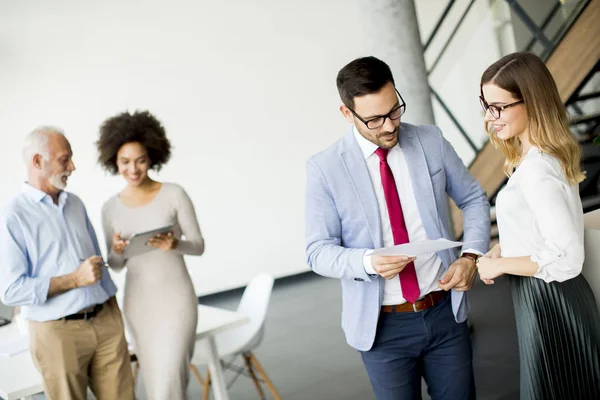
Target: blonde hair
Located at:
point(527, 78)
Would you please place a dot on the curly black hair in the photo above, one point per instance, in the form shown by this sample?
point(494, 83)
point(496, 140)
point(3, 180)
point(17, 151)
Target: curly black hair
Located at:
point(141, 127)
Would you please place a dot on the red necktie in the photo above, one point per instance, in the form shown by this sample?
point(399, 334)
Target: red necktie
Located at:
point(408, 276)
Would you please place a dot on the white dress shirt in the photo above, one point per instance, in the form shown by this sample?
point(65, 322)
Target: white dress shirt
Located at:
point(428, 266)
point(540, 216)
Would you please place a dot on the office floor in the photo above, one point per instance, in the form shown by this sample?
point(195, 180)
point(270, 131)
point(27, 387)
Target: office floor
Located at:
point(307, 358)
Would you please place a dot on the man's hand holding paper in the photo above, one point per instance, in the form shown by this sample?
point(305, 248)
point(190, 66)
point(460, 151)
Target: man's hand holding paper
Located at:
point(390, 266)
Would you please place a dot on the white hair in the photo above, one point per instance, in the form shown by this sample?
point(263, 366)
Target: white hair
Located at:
point(36, 142)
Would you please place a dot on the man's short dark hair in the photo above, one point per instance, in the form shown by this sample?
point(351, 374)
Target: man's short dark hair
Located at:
point(362, 76)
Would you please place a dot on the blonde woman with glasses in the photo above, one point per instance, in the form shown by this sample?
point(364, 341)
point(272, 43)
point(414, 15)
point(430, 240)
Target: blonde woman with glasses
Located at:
point(540, 219)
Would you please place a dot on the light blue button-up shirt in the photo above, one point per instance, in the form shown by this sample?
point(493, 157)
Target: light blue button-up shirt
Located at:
point(40, 240)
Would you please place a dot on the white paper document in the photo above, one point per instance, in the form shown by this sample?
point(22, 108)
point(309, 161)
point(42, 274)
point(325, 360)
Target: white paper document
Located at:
point(414, 249)
point(14, 346)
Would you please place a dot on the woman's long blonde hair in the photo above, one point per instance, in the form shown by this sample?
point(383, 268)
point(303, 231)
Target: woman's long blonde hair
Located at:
point(527, 78)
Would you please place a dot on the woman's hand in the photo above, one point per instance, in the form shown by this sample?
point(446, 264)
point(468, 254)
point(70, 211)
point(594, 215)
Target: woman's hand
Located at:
point(489, 269)
point(163, 241)
point(118, 244)
point(493, 253)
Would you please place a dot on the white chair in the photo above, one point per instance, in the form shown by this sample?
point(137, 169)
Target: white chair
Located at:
point(243, 340)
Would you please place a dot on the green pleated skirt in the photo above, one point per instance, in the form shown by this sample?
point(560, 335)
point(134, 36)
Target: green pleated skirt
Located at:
point(558, 326)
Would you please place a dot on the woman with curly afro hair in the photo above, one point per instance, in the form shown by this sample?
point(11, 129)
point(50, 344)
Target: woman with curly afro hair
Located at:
point(157, 282)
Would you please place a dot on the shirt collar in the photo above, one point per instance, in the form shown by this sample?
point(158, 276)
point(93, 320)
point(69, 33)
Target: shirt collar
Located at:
point(366, 147)
point(37, 195)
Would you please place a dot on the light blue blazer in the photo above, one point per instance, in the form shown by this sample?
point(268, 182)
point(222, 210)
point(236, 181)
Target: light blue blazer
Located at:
point(343, 219)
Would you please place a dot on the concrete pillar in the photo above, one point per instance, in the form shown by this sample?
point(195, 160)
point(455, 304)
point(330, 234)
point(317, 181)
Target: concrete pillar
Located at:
point(392, 34)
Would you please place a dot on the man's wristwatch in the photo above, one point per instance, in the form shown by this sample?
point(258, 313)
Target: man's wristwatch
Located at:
point(471, 256)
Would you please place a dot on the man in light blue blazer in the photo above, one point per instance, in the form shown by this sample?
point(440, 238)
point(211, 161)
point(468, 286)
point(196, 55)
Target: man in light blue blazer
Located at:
point(385, 183)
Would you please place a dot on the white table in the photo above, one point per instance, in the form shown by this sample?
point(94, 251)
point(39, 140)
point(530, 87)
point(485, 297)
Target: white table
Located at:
point(212, 321)
point(19, 378)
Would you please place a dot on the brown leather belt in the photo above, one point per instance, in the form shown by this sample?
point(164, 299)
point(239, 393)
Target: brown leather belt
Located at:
point(424, 303)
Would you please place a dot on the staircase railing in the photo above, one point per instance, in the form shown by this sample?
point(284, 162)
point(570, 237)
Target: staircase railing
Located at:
point(547, 35)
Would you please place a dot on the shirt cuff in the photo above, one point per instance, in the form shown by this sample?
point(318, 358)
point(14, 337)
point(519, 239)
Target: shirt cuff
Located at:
point(368, 266)
point(543, 259)
point(471, 251)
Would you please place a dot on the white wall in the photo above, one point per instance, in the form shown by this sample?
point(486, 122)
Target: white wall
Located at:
point(246, 90)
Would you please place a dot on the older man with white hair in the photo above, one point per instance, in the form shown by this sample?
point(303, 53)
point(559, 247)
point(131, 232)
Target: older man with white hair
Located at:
point(50, 264)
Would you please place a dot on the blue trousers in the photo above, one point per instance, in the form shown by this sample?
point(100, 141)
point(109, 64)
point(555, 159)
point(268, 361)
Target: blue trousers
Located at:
point(429, 344)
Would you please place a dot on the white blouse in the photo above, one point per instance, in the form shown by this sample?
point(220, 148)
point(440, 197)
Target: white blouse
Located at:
point(540, 215)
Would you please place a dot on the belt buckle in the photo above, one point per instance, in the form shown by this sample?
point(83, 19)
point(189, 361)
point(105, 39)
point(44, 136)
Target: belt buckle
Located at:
point(415, 306)
point(85, 316)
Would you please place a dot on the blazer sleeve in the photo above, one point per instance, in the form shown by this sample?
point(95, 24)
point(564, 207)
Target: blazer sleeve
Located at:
point(324, 251)
point(470, 198)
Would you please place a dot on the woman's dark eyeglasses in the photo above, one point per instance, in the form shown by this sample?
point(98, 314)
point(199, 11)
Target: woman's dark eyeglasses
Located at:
point(377, 122)
point(496, 110)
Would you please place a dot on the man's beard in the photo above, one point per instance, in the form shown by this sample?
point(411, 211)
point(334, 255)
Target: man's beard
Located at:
point(57, 180)
point(395, 132)
point(386, 144)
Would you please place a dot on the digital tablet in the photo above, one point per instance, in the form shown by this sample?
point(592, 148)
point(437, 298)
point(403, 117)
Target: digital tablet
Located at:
point(138, 243)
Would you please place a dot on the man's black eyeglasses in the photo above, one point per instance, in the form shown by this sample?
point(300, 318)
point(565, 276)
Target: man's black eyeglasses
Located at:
point(378, 121)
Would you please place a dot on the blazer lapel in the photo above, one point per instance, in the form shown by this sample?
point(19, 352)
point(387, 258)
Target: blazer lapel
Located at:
point(356, 167)
point(421, 181)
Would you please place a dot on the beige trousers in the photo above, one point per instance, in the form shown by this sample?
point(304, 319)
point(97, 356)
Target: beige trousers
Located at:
point(71, 355)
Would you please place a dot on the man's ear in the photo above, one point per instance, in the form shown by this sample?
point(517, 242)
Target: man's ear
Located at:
point(37, 161)
point(347, 113)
